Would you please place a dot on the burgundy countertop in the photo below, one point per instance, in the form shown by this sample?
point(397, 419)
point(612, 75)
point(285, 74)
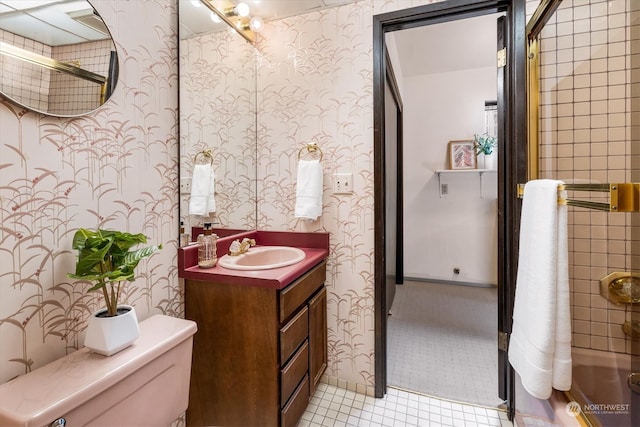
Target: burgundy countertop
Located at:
point(314, 245)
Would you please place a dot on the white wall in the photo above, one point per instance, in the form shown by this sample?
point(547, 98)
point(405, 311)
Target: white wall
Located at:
point(396, 62)
point(458, 229)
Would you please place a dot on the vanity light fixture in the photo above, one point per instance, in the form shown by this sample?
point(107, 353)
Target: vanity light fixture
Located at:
point(237, 17)
point(214, 17)
point(256, 24)
point(241, 9)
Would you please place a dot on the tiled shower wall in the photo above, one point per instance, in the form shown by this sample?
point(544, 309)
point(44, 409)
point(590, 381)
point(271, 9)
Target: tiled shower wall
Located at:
point(634, 76)
point(585, 136)
point(70, 94)
point(21, 80)
point(48, 90)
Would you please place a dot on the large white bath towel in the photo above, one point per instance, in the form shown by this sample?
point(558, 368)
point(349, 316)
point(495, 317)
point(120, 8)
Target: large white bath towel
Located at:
point(540, 342)
point(202, 200)
point(309, 190)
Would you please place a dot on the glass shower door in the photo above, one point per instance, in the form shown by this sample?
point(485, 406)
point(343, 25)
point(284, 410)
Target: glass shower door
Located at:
point(587, 131)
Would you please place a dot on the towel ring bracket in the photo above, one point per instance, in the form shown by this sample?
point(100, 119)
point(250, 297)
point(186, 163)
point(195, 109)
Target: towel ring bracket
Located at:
point(206, 154)
point(311, 148)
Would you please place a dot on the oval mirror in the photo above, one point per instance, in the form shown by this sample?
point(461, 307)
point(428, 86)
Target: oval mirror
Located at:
point(57, 57)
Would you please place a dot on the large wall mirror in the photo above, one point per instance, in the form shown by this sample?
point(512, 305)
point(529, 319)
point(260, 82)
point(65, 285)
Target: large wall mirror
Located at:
point(57, 57)
point(217, 116)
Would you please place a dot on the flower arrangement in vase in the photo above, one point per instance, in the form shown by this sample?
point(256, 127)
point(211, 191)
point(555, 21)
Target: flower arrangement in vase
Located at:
point(485, 146)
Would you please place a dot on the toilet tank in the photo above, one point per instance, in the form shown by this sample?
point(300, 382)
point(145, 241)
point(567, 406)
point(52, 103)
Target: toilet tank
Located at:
point(146, 384)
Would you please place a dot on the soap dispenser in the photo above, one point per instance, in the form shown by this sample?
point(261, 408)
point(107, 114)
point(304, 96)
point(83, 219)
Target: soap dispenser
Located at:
point(207, 256)
point(185, 238)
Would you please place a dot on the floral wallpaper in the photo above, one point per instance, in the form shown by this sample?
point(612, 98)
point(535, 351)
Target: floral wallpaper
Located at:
point(315, 84)
point(114, 168)
point(217, 113)
point(118, 168)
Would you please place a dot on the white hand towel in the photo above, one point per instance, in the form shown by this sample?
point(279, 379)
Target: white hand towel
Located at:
point(309, 190)
point(540, 342)
point(211, 200)
point(202, 187)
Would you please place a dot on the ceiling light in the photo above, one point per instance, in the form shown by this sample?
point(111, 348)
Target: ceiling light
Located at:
point(90, 18)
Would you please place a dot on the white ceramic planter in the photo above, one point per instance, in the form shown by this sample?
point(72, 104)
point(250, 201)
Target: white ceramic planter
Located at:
point(109, 335)
point(490, 160)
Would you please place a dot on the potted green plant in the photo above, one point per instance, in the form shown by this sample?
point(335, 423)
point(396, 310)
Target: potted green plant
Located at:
point(106, 259)
point(485, 146)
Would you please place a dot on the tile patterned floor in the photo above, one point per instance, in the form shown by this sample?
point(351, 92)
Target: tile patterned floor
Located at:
point(333, 406)
point(442, 341)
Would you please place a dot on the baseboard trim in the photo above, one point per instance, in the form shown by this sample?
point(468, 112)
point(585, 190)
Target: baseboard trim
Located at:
point(367, 390)
point(451, 282)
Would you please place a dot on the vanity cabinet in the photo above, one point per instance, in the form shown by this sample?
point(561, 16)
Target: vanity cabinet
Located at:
point(317, 338)
point(259, 352)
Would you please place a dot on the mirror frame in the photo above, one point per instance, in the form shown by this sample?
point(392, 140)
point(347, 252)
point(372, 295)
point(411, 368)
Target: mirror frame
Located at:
point(108, 83)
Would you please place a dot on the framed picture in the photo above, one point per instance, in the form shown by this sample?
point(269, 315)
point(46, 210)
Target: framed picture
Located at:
point(462, 155)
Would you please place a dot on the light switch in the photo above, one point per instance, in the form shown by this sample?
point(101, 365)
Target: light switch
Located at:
point(343, 183)
point(185, 185)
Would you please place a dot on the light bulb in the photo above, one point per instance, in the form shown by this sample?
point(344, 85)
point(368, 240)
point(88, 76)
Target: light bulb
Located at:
point(242, 9)
point(196, 3)
point(214, 17)
point(256, 24)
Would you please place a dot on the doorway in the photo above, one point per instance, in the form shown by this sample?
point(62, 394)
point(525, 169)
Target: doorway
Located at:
point(512, 128)
point(449, 297)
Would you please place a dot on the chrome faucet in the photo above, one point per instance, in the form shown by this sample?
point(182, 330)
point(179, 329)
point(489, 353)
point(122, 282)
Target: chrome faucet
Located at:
point(238, 248)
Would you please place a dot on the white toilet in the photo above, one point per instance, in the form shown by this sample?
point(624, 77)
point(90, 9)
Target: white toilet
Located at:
point(146, 384)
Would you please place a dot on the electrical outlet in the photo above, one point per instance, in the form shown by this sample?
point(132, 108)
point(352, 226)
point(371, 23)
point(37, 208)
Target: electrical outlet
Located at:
point(343, 183)
point(185, 185)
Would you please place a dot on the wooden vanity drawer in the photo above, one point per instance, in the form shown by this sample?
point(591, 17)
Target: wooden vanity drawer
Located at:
point(291, 374)
point(294, 295)
point(293, 334)
point(291, 413)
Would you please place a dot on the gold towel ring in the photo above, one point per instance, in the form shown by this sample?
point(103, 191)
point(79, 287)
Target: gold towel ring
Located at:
point(311, 148)
point(206, 154)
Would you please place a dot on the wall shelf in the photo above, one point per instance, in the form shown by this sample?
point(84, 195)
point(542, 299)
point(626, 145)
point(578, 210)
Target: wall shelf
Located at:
point(480, 172)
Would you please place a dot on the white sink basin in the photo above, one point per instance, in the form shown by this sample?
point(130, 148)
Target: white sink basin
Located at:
point(263, 258)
